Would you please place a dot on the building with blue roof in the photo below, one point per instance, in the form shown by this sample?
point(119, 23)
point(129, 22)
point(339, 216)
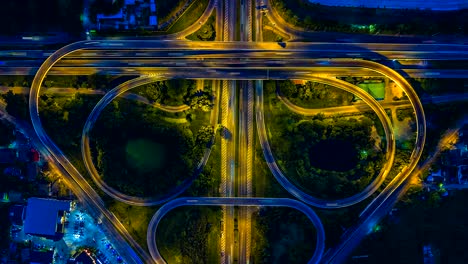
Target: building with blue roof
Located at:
point(45, 217)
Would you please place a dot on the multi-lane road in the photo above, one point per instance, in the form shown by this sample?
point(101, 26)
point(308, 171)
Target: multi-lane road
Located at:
point(238, 201)
point(296, 190)
point(117, 57)
point(229, 61)
point(247, 73)
point(87, 158)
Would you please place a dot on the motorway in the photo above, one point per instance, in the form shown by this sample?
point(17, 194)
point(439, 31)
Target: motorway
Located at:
point(237, 61)
point(229, 141)
point(92, 57)
point(246, 145)
point(238, 201)
point(155, 49)
point(264, 72)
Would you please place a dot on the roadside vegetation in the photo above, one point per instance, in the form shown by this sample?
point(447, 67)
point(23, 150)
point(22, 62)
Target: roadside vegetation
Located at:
point(269, 31)
point(189, 17)
point(314, 95)
point(282, 235)
point(207, 32)
point(329, 157)
point(190, 235)
point(316, 17)
point(17, 105)
point(134, 218)
point(63, 117)
point(175, 93)
point(93, 81)
point(421, 218)
point(168, 9)
point(146, 152)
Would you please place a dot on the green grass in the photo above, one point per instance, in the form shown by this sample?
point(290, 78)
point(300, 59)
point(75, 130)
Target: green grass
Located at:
point(175, 120)
point(189, 17)
point(207, 32)
point(317, 17)
point(134, 218)
point(423, 218)
point(167, 9)
point(185, 231)
point(268, 31)
point(145, 154)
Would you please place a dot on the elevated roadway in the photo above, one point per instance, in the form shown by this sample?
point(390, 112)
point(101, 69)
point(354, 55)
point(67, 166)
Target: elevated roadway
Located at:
point(297, 191)
point(239, 201)
point(261, 73)
point(87, 158)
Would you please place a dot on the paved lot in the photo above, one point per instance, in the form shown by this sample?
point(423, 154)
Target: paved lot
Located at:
point(80, 230)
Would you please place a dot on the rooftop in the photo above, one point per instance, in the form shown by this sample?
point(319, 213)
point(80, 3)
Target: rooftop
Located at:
point(42, 216)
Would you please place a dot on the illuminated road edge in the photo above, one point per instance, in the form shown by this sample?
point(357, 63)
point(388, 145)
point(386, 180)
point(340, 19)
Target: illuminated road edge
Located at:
point(94, 198)
point(240, 201)
point(297, 192)
point(86, 152)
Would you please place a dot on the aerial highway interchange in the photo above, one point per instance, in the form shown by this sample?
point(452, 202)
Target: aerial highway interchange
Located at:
point(250, 63)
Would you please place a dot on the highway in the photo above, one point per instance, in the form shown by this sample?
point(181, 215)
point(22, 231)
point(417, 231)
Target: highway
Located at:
point(379, 206)
point(239, 201)
point(228, 141)
point(323, 71)
point(260, 73)
point(130, 250)
point(244, 183)
point(156, 49)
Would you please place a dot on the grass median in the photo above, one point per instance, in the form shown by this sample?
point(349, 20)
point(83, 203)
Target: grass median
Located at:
point(189, 17)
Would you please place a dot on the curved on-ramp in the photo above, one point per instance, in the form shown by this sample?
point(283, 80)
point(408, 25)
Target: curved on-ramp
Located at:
point(97, 201)
point(299, 193)
point(87, 159)
point(240, 201)
point(384, 70)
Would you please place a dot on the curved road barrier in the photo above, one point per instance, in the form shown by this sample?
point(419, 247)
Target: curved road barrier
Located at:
point(218, 201)
point(88, 161)
point(258, 72)
point(297, 192)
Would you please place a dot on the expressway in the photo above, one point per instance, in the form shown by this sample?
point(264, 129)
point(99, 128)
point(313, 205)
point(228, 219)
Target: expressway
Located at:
point(183, 49)
point(137, 71)
point(239, 201)
point(264, 72)
point(229, 141)
point(246, 145)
